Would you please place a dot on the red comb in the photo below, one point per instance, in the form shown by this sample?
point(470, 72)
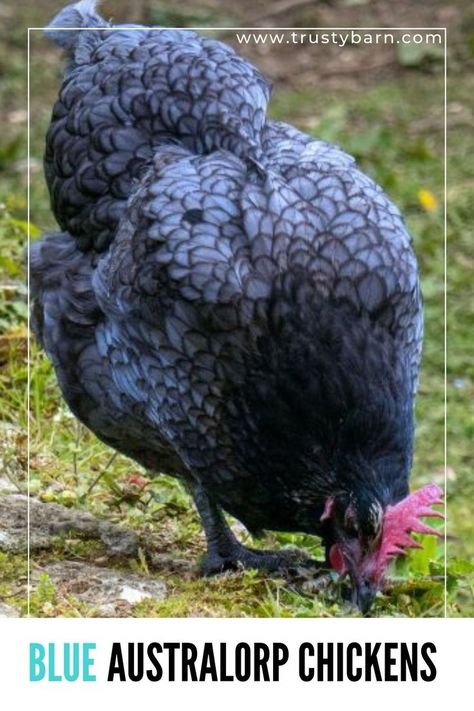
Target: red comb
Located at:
point(404, 518)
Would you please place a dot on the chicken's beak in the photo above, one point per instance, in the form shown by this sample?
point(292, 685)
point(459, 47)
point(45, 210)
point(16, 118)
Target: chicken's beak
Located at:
point(363, 595)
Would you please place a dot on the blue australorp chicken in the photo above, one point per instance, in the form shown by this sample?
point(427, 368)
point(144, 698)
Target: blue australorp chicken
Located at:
point(229, 301)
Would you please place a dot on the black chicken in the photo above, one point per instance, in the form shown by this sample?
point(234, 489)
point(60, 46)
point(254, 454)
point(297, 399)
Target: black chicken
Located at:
point(229, 300)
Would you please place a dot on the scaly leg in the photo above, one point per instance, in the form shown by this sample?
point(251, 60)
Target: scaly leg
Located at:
point(225, 552)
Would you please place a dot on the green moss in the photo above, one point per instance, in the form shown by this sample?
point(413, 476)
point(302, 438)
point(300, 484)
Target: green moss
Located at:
point(13, 579)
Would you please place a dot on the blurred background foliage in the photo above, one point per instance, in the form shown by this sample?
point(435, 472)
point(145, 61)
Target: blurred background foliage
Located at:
point(385, 105)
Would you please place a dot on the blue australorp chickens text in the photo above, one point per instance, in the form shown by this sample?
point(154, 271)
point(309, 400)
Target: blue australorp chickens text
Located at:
point(242, 662)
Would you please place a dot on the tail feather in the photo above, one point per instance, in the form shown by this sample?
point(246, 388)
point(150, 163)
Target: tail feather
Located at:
point(75, 16)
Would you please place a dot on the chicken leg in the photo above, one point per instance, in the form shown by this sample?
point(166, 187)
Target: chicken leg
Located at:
point(226, 552)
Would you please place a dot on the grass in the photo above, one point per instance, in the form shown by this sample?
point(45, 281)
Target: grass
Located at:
point(395, 130)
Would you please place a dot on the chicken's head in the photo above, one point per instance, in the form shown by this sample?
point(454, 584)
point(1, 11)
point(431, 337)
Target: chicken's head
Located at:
point(366, 535)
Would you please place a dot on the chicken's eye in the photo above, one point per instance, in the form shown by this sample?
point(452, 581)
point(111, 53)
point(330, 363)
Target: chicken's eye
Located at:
point(351, 528)
point(350, 522)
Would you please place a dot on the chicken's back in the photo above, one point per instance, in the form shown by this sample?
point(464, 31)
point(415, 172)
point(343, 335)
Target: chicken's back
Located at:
point(127, 91)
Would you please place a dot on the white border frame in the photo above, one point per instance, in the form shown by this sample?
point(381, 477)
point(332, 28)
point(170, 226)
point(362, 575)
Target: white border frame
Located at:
point(445, 220)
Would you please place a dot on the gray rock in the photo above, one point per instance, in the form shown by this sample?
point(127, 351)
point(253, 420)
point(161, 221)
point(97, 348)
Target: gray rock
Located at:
point(8, 610)
point(111, 592)
point(103, 587)
point(48, 520)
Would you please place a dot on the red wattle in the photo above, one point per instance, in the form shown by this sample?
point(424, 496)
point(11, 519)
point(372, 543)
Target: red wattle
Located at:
point(337, 560)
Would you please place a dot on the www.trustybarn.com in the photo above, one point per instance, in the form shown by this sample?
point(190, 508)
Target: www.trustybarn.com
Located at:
point(340, 39)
